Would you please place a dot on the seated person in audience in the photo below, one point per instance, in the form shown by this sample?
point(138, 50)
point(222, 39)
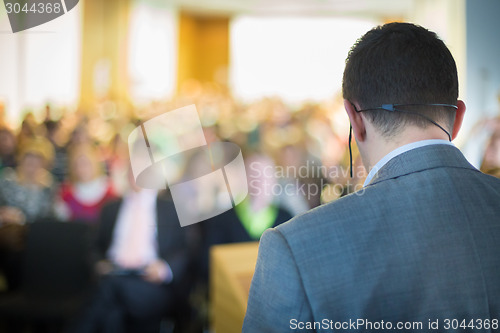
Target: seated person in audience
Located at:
point(291, 157)
point(28, 131)
point(491, 157)
point(7, 149)
point(247, 221)
point(26, 195)
point(258, 212)
point(143, 259)
point(87, 190)
point(59, 167)
point(80, 135)
point(117, 162)
point(29, 187)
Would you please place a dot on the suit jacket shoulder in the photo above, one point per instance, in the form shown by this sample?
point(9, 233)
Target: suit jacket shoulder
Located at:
point(420, 242)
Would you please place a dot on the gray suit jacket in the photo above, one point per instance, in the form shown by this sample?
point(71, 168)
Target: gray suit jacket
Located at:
point(420, 244)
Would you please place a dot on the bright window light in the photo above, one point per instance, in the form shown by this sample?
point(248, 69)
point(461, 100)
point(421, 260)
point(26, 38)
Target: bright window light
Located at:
point(152, 53)
point(295, 58)
point(41, 64)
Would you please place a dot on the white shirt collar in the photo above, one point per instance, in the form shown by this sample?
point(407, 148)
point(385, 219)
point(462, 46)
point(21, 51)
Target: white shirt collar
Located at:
point(400, 150)
point(146, 196)
point(136, 205)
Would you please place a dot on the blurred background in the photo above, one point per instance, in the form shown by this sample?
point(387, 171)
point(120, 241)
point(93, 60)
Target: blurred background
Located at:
point(264, 74)
point(111, 61)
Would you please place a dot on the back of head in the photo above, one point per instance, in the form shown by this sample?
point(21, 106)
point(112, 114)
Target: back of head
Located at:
point(401, 63)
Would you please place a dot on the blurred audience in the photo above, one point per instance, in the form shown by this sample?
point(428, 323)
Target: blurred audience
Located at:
point(248, 220)
point(117, 162)
point(26, 195)
point(80, 135)
point(60, 165)
point(29, 188)
point(29, 129)
point(87, 188)
point(143, 258)
point(259, 211)
point(7, 149)
point(73, 165)
point(292, 196)
point(491, 158)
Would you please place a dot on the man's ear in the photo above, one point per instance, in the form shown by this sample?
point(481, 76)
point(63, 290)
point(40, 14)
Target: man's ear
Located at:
point(357, 121)
point(459, 117)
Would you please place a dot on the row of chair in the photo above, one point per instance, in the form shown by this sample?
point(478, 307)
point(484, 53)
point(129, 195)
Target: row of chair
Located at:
point(57, 276)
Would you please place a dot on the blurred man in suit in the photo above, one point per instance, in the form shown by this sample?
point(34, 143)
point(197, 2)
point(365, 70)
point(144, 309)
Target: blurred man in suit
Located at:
point(421, 242)
point(143, 258)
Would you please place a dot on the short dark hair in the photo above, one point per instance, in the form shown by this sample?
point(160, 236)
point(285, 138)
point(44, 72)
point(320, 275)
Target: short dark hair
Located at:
point(401, 63)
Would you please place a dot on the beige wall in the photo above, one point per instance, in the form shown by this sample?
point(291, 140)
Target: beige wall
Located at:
point(203, 51)
point(104, 51)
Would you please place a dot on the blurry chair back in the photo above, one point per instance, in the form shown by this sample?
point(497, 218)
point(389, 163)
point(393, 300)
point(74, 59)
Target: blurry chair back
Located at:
point(58, 261)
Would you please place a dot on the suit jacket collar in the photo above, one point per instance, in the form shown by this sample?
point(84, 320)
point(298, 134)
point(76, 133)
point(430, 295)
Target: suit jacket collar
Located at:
point(420, 159)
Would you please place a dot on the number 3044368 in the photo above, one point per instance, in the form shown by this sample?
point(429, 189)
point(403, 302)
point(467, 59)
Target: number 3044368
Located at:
point(41, 8)
point(478, 324)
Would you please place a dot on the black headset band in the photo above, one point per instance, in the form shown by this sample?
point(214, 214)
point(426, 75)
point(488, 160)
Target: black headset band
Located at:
point(393, 107)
